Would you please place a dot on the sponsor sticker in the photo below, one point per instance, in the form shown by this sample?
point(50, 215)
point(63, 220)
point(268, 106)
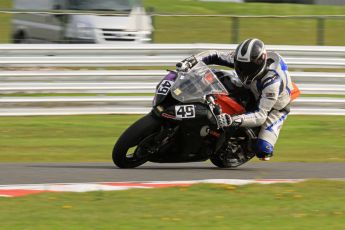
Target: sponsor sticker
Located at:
point(177, 91)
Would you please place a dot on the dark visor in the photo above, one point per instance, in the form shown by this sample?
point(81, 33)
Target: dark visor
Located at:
point(246, 71)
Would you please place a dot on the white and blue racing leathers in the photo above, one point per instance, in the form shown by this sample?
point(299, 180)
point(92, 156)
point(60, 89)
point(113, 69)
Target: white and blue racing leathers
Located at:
point(272, 93)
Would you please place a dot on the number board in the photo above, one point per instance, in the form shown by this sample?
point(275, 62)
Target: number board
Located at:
point(185, 111)
point(164, 87)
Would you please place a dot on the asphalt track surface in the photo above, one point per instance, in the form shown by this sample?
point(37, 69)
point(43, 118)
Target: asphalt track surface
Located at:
point(36, 173)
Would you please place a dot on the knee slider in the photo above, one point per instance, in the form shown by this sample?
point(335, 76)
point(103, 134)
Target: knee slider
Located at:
point(263, 148)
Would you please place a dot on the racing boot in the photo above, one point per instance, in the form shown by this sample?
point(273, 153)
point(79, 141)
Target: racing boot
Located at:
point(264, 156)
point(264, 150)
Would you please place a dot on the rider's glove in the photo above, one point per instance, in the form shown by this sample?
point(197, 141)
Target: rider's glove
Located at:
point(225, 120)
point(182, 66)
point(186, 64)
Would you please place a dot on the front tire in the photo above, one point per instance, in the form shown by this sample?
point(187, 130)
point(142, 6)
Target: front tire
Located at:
point(134, 136)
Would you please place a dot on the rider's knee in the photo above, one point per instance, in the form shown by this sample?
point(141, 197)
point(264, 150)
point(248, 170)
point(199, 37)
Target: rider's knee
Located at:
point(263, 148)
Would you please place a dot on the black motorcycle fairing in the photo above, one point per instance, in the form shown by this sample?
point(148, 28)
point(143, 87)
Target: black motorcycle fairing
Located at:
point(185, 145)
point(201, 113)
point(163, 88)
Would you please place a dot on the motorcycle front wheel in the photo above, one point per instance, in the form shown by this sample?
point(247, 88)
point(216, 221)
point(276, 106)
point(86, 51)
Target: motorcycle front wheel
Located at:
point(130, 149)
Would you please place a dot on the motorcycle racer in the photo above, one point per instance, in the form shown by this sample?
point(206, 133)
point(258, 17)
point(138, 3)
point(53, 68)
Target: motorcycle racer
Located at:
point(266, 75)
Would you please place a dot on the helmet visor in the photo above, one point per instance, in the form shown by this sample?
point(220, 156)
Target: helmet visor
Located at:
point(246, 71)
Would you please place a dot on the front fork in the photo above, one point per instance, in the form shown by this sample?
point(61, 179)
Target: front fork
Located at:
point(214, 108)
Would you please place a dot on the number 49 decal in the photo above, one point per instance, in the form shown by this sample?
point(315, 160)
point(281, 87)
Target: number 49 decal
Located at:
point(164, 87)
point(185, 111)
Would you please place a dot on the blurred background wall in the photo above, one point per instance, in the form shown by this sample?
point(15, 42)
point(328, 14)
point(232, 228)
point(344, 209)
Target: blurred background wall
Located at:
point(189, 21)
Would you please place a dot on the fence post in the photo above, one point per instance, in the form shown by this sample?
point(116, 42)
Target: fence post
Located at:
point(151, 11)
point(320, 30)
point(235, 30)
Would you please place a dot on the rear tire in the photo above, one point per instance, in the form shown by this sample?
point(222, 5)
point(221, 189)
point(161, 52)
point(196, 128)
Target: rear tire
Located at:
point(245, 153)
point(132, 137)
point(218, 162)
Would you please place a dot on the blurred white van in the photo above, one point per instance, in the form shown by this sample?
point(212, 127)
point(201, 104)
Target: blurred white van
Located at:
point(134, 26)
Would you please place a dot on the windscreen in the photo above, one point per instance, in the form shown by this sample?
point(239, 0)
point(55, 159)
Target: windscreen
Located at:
point(194, 85)
point(102, 5)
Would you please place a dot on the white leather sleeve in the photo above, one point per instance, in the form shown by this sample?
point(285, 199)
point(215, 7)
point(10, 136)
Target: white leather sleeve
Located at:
point(268, 99)
point(216, 57)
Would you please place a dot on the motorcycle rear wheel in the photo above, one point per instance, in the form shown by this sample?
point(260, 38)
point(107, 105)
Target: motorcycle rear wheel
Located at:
point(223, 160)
point(134, 137)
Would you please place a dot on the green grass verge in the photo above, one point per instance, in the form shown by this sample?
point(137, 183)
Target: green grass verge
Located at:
point(316, 205)
point(5, 22)
point(60, 138)
point(199, 7)
point(219, 30)
point(91, 138)
point(312, 138)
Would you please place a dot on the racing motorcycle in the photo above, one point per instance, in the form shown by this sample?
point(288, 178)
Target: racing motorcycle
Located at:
point(182, 126)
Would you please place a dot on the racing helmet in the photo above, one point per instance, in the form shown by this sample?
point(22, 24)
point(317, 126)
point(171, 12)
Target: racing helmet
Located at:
point(250, 60)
